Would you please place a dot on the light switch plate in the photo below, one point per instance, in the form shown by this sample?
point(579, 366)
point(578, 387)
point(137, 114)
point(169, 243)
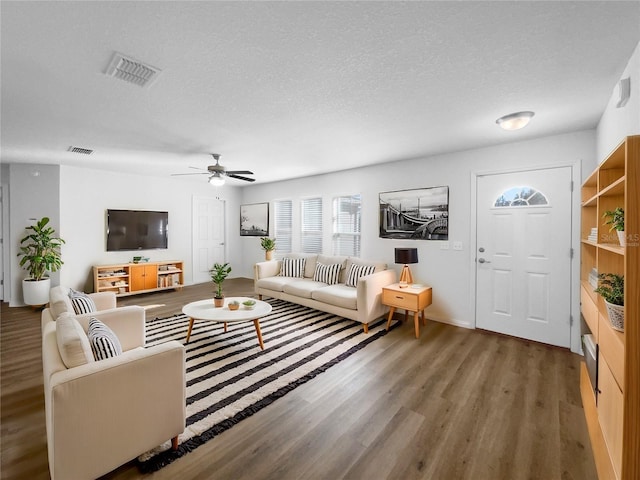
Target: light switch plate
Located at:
point(457, 245)
point(444, 245)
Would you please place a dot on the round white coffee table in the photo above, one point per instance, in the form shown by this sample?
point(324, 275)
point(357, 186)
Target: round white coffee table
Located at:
point(204, 310)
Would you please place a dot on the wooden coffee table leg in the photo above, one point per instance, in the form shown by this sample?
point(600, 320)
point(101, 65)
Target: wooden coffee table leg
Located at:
point(189, 331)
point(256, 323)
point(225, 327)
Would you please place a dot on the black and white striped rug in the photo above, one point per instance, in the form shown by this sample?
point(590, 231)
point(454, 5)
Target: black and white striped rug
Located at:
point(229, 378)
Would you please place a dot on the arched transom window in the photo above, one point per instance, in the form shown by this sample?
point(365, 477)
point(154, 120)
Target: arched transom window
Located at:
point(521, 197)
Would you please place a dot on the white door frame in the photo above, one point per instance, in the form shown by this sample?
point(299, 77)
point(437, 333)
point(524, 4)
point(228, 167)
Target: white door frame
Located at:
point(576, 170)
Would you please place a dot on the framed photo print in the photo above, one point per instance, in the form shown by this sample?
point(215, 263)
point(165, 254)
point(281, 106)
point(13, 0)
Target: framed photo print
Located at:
point(254, 220)
point(420, 214)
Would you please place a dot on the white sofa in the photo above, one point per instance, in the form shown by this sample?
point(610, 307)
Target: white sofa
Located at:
point(101, 414)
point(361, 303)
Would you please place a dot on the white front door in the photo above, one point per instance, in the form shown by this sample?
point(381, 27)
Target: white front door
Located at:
point(208, 236)
point(523, 258)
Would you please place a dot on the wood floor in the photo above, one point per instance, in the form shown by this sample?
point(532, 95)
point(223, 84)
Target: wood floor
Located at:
point(455, 404)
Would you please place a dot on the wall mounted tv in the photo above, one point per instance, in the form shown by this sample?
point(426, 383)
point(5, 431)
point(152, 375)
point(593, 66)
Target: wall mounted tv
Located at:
point(136, 230)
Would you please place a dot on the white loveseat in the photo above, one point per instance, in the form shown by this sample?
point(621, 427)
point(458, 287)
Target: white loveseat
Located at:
point(101, 414)
point(362, 303)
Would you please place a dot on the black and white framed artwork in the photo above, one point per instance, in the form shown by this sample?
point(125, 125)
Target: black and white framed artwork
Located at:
point(418, 214)
point(254, 220)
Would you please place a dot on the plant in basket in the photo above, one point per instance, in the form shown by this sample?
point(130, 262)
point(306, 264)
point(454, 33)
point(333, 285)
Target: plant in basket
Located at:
point(611, 289)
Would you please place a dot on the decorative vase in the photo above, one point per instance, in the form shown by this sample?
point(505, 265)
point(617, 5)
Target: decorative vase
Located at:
point(616, 316)
point(268, 254)
point(218, 302)
point(36, 292)
point(621, 237)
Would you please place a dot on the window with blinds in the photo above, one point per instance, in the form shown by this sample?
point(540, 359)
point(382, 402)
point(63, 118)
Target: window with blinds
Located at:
point(311, 225)
point(283, 211)
point(346, 225)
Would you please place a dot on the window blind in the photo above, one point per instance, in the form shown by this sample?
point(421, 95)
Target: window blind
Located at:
point(311, 234)
point(283, 211)
point(346, 225)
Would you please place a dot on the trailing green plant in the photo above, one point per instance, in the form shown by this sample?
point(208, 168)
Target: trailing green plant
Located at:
point(40, 250)
point(611, 288)
point(219, 273)
point(268, 244)
point(614, 218)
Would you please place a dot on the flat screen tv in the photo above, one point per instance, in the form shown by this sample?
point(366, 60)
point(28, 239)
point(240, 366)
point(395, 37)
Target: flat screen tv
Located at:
point(136, 230)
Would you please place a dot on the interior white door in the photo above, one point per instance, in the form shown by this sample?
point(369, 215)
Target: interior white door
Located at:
point(523, 262)
point(208, 236)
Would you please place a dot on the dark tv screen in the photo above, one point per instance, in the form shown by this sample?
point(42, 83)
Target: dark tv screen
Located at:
point(136, 230)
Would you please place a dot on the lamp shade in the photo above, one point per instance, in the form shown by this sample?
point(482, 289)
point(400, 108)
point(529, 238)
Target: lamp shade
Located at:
point(406, 255)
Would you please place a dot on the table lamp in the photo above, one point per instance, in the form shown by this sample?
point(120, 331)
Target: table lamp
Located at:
point(406, 256)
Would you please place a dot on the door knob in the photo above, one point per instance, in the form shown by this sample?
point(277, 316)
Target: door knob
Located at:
point(482, 260)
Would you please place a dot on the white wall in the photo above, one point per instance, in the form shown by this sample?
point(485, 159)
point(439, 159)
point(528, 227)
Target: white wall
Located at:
point(33, 194)
point(617, 123)
point(451, 273)
point(86, 194)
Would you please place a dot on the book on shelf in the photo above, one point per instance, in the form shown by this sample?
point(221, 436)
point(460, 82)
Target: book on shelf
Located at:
point(593, 236)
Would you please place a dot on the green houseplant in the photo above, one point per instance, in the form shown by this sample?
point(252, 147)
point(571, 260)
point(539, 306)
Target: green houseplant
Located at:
point(268, 245)
point(40, 253)
point(219, 273)
point(611, 289)
point(615, 218)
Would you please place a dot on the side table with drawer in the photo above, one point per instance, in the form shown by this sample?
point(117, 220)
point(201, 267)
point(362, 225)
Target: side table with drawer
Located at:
point(410, 299)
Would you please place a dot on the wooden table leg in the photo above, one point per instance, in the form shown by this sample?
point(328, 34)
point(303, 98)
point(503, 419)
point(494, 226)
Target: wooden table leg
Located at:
point(256, 323)
point(393, 309)
point(225, 327)
point(189, 331)
point(416, 323)
point(424, 318)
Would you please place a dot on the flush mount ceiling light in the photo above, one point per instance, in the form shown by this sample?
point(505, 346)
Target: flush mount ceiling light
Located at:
point(515, 121)
point(216, 179)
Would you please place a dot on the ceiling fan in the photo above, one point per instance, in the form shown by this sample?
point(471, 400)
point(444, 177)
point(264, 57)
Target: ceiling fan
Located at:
point(217, 173)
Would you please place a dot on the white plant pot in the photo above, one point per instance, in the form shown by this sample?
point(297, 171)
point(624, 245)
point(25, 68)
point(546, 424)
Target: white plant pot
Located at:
point(36, 292)
point(616, 316)
point(621, 237)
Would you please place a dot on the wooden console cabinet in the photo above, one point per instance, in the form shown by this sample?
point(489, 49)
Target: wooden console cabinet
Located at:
point(612, 407)
point(133, 278)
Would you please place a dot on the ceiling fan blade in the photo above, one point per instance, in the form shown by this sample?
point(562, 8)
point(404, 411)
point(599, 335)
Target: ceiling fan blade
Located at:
point(199, 173)
point(242, 172)
point(247, 179)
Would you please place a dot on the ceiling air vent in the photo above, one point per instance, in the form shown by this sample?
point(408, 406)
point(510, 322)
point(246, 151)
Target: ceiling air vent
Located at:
point(84, 151)
point(132, 70)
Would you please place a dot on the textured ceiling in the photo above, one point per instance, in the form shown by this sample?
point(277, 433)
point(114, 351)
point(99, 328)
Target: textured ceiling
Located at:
point(288, 89)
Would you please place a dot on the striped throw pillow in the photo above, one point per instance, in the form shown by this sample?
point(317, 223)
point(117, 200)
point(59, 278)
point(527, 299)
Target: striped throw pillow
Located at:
point(357, 271)
point(327, 273)
point(81, 302)
point(104, 343)
point(292, 267)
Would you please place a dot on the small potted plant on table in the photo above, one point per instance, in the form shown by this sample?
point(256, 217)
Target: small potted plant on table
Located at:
point(615, 218)
point(219, 273)
point(268, 245)
point(234, 305)
point(611, 289)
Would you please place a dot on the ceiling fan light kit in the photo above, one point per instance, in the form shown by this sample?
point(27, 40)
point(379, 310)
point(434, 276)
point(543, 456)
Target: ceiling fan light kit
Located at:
point(216, 180)
point(515, 121)
point(217, 173)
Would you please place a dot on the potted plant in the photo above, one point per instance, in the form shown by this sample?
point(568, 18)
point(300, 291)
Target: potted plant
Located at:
point(268, 245)
point(219, 273)
point(611, 289)
point(249, 304)
point(615, 218)
point(40, 252)
point(234, 305)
